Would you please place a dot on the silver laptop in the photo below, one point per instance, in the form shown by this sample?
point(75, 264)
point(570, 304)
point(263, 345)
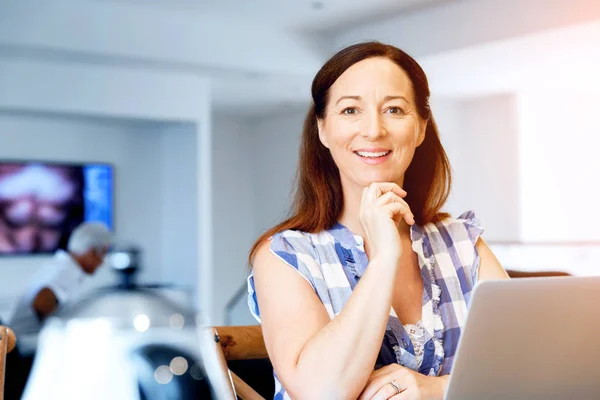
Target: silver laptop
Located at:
point(529, 339)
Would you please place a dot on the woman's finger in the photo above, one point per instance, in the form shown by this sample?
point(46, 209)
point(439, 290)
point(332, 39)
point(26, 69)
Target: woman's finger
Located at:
point(378, 189)
point(391, 197)
point(386, 391)
point(364, 195)
point(380, 378)
point(371, 194)
point(374, 386)
point(384, 187)
point(406, 395)
point(398, 211)
point(382, 371)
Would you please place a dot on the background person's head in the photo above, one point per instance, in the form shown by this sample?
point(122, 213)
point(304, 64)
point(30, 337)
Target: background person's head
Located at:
point(88, 244)
point(351, 111)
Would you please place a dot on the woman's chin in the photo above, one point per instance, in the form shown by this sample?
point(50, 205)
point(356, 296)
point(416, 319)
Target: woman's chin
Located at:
point(367, 180)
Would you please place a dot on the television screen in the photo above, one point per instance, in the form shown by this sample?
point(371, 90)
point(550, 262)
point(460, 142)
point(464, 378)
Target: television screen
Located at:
point(41, 203)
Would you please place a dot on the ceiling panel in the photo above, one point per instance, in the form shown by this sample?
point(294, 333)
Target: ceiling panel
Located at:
point(306, 15)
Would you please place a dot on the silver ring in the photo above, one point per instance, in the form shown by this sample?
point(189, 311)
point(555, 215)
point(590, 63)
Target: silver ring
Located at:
point(394, 383)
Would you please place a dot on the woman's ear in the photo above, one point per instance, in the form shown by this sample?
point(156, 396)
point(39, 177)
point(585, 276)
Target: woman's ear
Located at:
point(322, 138)
point(422, 129)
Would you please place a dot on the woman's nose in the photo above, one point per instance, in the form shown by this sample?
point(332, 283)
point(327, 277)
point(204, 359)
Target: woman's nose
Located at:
point(373, 127)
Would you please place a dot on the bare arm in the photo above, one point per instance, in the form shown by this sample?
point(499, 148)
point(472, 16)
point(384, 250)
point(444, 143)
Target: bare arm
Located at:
point(490, 268)
point(319, 358)
point(413, 384)
point(45, 303)
point(315, 357)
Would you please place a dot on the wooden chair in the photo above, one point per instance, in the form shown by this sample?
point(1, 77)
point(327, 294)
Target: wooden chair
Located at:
point(242, 343)
point(521, 274)
point(7, 343)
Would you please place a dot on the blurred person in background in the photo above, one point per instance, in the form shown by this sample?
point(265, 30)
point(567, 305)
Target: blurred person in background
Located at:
point(59, 280)
point(40, 204)
point(363, 291)
point(54, 285)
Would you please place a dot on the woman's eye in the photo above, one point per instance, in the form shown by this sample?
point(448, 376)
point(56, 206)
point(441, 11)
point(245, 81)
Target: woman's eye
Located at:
point(395, 110)
point(350, 111)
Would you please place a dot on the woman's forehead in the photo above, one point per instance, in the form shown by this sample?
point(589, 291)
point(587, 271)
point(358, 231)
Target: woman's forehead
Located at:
point(373, 74)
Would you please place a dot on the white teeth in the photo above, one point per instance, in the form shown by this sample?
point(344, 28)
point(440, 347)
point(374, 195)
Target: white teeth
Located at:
point(372, 155)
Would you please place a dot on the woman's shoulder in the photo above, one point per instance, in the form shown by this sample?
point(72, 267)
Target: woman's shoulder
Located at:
point(453, 243)
point(300, 240)
point(466, 227)
point(284, 244)
point(295, 248)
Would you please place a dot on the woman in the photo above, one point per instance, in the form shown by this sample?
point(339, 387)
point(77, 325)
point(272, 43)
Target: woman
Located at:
point(374, 303)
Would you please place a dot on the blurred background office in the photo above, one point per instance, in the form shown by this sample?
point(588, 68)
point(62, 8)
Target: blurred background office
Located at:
point(196, 108)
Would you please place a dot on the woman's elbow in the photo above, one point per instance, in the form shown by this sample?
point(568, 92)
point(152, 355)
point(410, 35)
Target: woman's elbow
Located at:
point(315, 393)
point(324, 388)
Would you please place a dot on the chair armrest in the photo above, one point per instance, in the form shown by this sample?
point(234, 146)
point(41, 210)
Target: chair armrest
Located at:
point(7, 344)
point(7, 334)
point(242, 342)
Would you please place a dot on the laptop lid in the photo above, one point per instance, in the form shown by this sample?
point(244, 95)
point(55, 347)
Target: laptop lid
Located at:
point(533, 338)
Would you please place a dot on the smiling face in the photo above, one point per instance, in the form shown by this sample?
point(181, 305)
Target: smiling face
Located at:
point(371, 125)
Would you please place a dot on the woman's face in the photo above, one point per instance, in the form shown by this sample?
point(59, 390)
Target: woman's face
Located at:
point(371, 124)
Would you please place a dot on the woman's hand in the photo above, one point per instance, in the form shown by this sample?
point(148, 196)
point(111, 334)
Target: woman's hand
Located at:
point(411, 385)
point(382, 208)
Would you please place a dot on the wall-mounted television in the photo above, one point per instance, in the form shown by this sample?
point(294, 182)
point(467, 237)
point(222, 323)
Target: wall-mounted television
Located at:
point(42, 202)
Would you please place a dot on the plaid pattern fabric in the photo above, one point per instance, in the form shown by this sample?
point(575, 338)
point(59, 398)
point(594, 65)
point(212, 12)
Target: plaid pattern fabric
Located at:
point(333, 262)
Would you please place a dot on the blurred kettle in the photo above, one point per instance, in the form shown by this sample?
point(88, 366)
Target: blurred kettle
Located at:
point(127, 341)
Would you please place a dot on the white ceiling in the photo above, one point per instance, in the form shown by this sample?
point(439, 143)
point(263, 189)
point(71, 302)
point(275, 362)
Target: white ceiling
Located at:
point(304, 15)
point(259, 64)
point(257, 93)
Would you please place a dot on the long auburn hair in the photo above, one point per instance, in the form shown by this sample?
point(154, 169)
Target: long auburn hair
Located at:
point(318, 199)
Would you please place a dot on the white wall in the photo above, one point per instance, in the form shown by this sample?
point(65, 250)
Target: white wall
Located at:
point(560, 164)
point(179, 179)
point(449, 119)
point(276, 145)
point(234, 208)
point(481, 137)
point(254, 164)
